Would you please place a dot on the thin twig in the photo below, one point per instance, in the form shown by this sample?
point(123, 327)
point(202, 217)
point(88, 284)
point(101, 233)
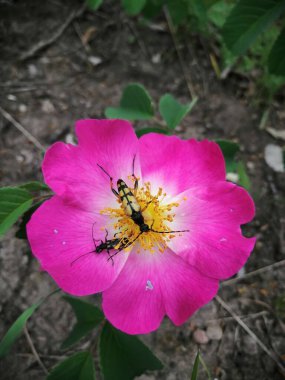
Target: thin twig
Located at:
point(140, 41)
point(206, 369)
point(23, 130)
point(24, 89)
point(248, 316)
point(10, 85)
point(254, 273)
point(42, 197)
point(173, 34)
point(79, 34)
point(251, 333)
point(45, 43)
point(34, 351)
point(49, 357)
point(159, 122)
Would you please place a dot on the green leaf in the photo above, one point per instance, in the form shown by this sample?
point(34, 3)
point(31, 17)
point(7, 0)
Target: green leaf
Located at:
point(133, 7)
point(244, 180)
point(84, 311)
point(172, 111)
point(229, 150)
point(16, 329)
point(200, 11)
point(195, 367)
point(79, 366)
point(205, 367)
point(34, 186)
point(124, 356)
point(248, 19)
point(276, 59)
point(178, 10)
point(144, 131)
point(94, 4)
point(152, 8)
point(279, 305)
point(21, 232)
point(88, 317)
point(135, 104)
point(13, 203)
point(218, 12)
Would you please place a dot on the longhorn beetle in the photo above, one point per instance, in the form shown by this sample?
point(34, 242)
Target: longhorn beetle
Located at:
point(131, 205)
point(107, 245)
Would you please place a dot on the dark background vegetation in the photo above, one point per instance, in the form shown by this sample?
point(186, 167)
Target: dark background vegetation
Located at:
point(77, 76)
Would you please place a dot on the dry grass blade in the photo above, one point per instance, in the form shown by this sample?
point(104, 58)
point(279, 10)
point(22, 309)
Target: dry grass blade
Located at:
point(34, 351)
point(270, 353)
point(254, 273)
point(45, 43)
point(23, 130)
point(172, 32)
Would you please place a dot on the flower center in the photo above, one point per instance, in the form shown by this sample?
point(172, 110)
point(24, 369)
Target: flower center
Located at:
point(156, 214)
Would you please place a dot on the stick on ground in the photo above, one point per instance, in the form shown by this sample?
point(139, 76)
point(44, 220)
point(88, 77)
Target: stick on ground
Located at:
point(45, 43)
point(23, 130)
point(254, 273)
point(34, 351)
point(270, 353)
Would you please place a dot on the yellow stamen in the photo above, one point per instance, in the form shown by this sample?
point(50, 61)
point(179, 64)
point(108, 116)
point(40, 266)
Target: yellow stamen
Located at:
point(155, 215)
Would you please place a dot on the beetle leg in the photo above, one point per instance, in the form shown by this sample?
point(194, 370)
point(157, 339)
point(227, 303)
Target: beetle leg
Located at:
point(134, 177)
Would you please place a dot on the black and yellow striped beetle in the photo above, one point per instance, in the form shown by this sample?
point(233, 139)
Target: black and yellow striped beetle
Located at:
point(106, 245)
point(131, 205)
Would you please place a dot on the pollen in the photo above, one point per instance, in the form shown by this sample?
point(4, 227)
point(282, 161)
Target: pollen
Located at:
point(157, 214)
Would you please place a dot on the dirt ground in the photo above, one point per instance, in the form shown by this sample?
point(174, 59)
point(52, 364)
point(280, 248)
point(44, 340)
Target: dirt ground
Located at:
point(70, 80)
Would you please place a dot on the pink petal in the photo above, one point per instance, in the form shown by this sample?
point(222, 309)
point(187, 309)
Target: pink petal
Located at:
point(152, 285)
point(177, 165)
point(213, 215)
point(59, 233)
point(72, 171)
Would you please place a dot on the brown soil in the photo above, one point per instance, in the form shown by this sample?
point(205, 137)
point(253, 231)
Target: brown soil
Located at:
point(48, 92)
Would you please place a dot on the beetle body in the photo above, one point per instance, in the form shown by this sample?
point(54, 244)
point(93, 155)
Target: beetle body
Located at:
point(107, 246)
point(131, 205)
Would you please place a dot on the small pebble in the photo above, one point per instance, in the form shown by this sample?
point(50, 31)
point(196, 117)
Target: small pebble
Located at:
point(11, 97)
point(258, 245)
point(69, 139)
point(250, 165)
point(45, 60)
point(47, 106)
point(19, 158)
point(27, 155)
point(233, 177)
point(273, 155)
point(249, 345)
point(95, 61)
point(23, 108)
point(241, 273)
point(156, 58)
point(214, 332)
point(200, 337)
point(33, 71)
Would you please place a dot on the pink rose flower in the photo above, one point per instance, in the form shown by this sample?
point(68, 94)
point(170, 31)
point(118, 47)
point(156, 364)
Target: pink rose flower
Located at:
point(182, 186)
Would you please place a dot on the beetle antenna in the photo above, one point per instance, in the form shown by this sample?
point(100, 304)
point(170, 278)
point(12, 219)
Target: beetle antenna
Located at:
point(101, 167)
point(84, 254)
point(125, 246)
